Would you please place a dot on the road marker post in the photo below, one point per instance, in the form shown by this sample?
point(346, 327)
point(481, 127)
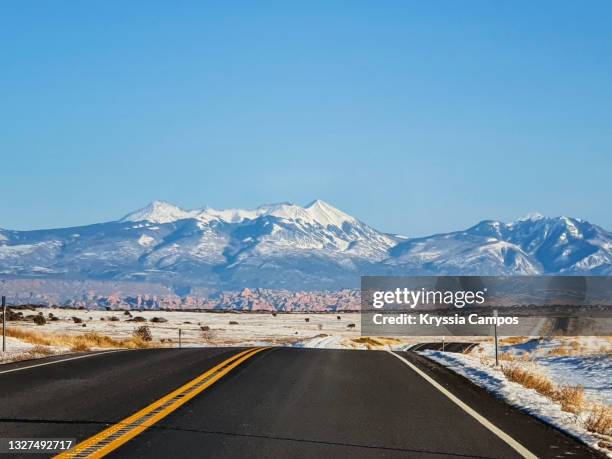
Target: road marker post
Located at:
point(3, 323)
point(180, 332)
point(495, 338)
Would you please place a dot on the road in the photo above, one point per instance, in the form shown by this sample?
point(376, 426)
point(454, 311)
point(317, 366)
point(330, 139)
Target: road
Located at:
point(279, 402)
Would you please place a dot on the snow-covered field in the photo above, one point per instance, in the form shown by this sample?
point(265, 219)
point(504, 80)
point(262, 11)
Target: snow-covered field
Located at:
point(585, 362)
point(224, 329)
point(327, 330)
point(314, 330)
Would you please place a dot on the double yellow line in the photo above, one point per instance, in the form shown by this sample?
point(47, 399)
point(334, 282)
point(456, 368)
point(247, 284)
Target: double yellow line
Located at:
point(116, 435)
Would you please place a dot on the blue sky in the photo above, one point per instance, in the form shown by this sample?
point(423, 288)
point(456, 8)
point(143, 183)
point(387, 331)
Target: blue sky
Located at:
point(416, 117)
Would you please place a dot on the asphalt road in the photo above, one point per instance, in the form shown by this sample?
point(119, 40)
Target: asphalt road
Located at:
point(283, 402)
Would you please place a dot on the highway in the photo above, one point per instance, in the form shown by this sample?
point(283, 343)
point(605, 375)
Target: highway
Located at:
point(266, 402)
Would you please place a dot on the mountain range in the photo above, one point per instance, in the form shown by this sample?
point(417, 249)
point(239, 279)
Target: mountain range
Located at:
point(293, 247)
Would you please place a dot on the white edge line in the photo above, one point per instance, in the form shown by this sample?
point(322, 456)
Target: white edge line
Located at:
point(60, 361)
point(524, 452)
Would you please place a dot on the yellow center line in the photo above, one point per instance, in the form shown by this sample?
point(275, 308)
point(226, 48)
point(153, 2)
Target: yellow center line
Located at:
point(116, 435)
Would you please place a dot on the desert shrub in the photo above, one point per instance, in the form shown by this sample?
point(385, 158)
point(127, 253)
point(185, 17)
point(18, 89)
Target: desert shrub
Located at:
point(40, 320)
point(114, 319)
point(77, 320)
point(338, 317)
point(233, 322)
point(206, 333)
point(143, 332)
point(205, 328)
point(307, 319)
point(159, 319)
point(350, 326)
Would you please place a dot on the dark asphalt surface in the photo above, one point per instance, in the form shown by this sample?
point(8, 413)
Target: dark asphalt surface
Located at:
point(285, 403)
point(447, 347)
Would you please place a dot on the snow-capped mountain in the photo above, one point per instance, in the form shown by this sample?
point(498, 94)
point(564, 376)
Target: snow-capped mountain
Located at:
point(278, 245)
point(531, 245)
point(312, 247)
point(159, 212)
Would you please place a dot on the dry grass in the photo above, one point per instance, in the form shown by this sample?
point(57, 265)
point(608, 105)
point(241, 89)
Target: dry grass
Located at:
point(600, 420)
point(508, 357)
point(38, 351)
point(559, 352)
point(573, 347)
point(571, 398)
point(529, 378)
point(78, 343)
point(373, 343)
point(512, 340)
point(80, 347)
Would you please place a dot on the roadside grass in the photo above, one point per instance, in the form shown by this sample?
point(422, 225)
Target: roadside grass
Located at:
point(76, 343)
point(374, 343)
point(509, 357)
point(596, 417)
point(574, 347)
point(513, 340)
point(35, 352)
point(38, 351)
point(529, 378)
point(600, 420)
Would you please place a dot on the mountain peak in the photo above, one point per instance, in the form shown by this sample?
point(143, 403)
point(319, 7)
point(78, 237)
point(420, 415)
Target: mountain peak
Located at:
point(531, 216)
point(326, 214)
point(315, 212)
point(157, 212)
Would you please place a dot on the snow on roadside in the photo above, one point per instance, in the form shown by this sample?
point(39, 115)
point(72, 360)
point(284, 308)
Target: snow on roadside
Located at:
point(528, 400)
point(359, 343)
point(20, 350)
point(593, 372)
point(322, 342)
point(588, 362)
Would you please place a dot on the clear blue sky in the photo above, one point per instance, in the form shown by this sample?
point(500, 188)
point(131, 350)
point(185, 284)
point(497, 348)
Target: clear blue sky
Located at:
point(416, 117)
